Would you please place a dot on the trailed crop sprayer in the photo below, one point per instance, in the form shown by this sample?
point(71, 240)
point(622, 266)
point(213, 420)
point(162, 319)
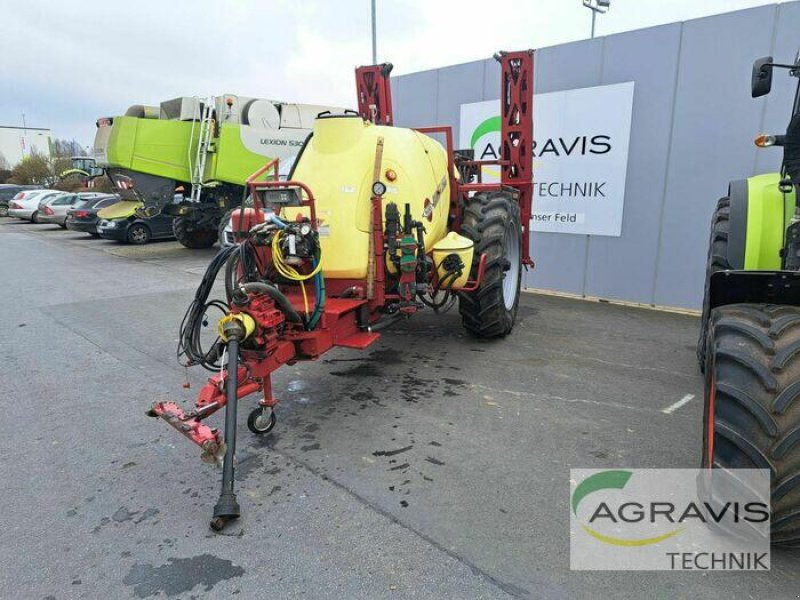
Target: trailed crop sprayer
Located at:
point(373, 224)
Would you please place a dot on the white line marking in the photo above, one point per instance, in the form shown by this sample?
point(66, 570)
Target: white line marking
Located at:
point(673, 407)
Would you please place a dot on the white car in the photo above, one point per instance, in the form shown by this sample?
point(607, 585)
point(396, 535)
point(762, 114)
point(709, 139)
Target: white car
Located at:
point(53, 209)
point(25, 205)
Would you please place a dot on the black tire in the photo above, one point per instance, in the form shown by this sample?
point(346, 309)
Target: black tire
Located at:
point(3, 210)
point(193, 238)
point(491, 221)
point(752, 396)
point(254, 425)
point(63, 225)
point(138, 234)
point(94, 234)
point(717, 261)
point(35, 217)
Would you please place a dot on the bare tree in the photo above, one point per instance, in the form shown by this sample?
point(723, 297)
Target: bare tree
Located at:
point(34, 169)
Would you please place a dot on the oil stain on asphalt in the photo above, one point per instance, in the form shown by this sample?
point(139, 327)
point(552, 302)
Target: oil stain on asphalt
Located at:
point(180, 575)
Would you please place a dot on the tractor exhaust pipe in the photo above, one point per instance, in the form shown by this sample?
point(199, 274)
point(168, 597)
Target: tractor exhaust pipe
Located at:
point(227, 508)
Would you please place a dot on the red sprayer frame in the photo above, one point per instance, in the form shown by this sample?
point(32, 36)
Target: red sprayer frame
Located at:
point(516, 135)
point(375, 93)
point(265, 317)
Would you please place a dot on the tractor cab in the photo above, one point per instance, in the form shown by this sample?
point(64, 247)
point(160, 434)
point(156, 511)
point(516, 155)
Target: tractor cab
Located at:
point(87, 165)
point(761, 85)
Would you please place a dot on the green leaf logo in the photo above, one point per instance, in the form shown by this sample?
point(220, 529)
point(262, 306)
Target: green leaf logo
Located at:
point(606, 480)
point(488, 126)
point(611, 480)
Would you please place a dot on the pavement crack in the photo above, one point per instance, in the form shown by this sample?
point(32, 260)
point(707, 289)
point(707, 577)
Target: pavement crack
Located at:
point(509, 588)
point(614, 363)
point(538, 396)
point(102, 348)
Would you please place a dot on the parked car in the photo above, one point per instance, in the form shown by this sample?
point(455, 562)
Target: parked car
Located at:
point(25, 205)
point(83, 217)
point(53, 209)
point(7, 192)
point(120, 222)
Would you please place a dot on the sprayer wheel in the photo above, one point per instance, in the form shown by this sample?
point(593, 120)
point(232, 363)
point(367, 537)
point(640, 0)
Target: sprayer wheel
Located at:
point(258, 423)
point(492, 222)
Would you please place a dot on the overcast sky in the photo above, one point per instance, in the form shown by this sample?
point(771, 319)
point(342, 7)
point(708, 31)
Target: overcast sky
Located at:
point(64, 64)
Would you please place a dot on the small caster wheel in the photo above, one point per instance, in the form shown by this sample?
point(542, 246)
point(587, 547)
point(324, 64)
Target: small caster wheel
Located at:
point(261, 420)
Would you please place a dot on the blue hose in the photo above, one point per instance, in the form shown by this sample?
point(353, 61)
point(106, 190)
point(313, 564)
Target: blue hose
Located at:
point(273, 218)
point(319, 286)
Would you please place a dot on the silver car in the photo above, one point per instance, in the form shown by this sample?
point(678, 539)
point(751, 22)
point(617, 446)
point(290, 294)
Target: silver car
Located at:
point(53, 209)
point(25, 205)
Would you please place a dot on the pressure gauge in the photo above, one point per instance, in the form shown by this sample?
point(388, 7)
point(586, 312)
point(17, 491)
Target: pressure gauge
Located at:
point(378, 188)
point(305, 229)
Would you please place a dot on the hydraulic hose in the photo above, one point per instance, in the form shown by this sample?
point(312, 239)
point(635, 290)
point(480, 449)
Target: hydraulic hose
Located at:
point(227, 507)
point(256, 287)
point(319, 284)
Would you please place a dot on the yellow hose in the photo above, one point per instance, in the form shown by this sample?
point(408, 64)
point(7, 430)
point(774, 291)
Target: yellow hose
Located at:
point(288, 271)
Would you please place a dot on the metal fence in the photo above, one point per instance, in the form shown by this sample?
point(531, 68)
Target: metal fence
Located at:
point(692, 132)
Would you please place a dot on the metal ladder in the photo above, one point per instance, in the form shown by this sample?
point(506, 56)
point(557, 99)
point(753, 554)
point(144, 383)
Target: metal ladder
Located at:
point(203, 143)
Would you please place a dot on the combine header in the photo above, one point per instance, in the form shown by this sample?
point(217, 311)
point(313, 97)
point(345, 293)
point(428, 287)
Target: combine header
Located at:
point(373, 224)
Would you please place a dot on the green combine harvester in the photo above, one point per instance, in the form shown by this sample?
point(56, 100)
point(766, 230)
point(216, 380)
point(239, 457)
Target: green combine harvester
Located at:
point(205, 148)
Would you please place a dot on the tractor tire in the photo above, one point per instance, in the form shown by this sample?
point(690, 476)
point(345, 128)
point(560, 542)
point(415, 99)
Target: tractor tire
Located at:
point(752, 403)
point(193, 238)
point(492, 222)
point(717, 261)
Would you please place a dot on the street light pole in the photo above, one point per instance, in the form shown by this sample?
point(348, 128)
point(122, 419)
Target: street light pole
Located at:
point(596, 6)
point(24, 136)
point(374, 37)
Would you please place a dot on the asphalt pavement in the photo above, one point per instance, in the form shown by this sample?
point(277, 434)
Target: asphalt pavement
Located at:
point(430, 465)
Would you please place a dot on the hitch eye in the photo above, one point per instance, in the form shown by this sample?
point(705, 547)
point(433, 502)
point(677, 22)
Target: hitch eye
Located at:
point(765, 141)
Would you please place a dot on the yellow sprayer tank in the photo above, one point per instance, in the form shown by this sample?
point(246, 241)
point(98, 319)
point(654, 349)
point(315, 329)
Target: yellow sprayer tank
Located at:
point(338, 164)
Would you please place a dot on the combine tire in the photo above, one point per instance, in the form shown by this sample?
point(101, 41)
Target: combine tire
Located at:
point(491, 220)
point(752, 403)
point(717, 261)
point(190, 237)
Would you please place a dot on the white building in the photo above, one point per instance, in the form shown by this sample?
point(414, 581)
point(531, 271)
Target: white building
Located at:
point(17, 142)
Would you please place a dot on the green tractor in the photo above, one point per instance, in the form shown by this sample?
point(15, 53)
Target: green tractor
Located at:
point(749, 346)
point(205, 148)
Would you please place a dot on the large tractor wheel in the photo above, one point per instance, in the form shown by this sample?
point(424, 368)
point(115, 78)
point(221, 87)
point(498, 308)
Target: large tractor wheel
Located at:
point(717, 261)
point(190, 237)
point(752, 403)
point(491, 220)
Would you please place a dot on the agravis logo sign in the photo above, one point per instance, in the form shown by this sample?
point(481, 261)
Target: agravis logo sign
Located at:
point(670, 519)
point(606, 480)
point(580, 155)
